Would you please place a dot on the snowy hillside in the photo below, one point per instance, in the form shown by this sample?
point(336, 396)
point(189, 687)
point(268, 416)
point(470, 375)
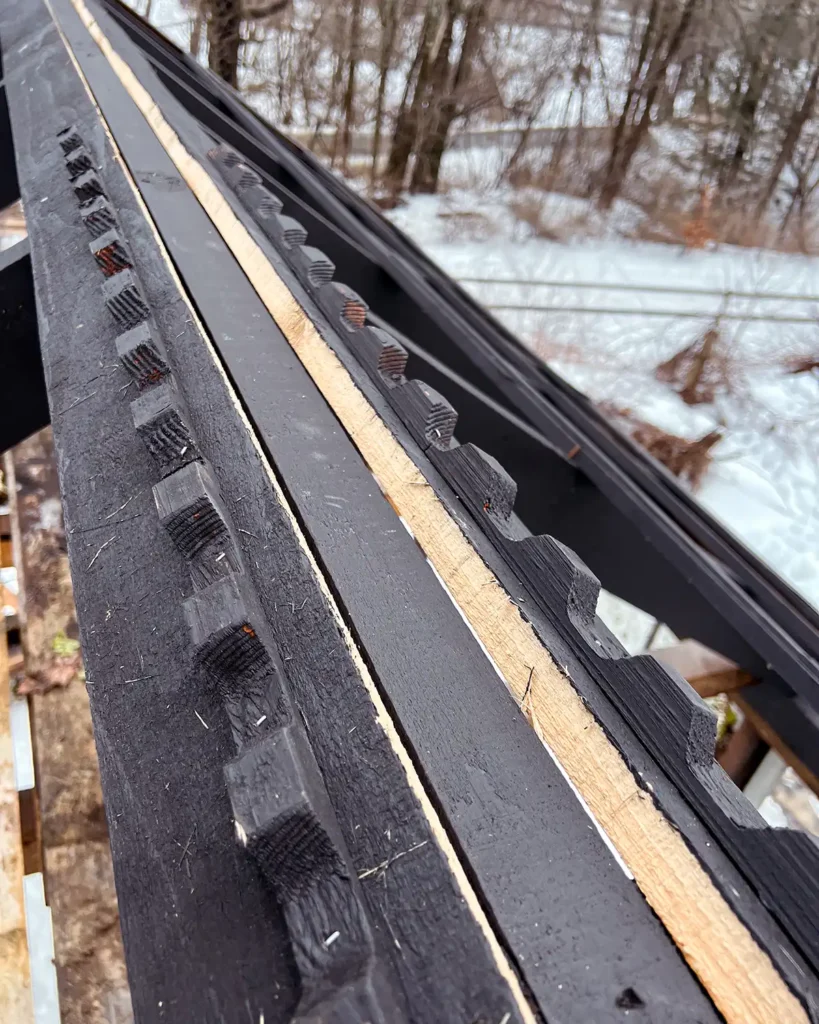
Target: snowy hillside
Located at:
point(764, 480)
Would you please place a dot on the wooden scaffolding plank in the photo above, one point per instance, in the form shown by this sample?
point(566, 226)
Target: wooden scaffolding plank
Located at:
point(15, 976)
point(77, 861)
point(708, 672)
point(5, 540)
point(775, 742)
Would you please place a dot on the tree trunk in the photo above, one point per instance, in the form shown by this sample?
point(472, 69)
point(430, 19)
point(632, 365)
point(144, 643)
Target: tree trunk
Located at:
point(335, 84)
point(791, 140)
point(612, 181)
point(767, 41)
point(653, 81)
point(196, 34)
point(520, 148)
point(349, 92)
point(745, 124)
point(389, 10)
point(224, 38)
point(406, 123)
point(436, 106)
point(432, 146)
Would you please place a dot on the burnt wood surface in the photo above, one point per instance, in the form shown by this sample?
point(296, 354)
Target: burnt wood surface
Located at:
point(204, 939)
point(450, 699)
point(666, 716)
point(378, 573)
point(647, 516)
point(314, 269)
point(161, 769)
point(230, 656)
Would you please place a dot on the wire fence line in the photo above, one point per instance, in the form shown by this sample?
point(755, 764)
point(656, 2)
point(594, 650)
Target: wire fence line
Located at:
point(724, 295)
point(668, 314)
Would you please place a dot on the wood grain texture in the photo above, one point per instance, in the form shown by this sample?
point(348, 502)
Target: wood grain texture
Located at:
point(168, 813)
point(707, 931)
point(15, 978)
point(299, 849)
point(77, 869)
point(190, 509)
point(396, 844)
point(163, 423)
point(533, 809)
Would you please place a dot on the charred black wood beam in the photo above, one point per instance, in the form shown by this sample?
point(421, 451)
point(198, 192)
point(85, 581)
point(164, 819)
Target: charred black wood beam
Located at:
point(662, 710)
point(170, 704)
point(556, 498)
point(240, 652)
point(160, 766)
point(741, 596)
point(23, 400)
point(379, 574)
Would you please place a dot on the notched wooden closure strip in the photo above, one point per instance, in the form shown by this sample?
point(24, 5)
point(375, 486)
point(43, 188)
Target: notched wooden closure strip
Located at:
point(737, 974)
point(382, 715)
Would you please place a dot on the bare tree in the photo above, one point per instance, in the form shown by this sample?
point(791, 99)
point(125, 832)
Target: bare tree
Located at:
point(196, 32)
point(348, 113)
point(447, 88)
point(738, 78)
point(390, 13)
point(407, 118)
point(224, 21)
point(793, 133)
point(663, 35)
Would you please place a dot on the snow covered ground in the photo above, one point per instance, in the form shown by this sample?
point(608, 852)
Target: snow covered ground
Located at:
point(764, 482)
